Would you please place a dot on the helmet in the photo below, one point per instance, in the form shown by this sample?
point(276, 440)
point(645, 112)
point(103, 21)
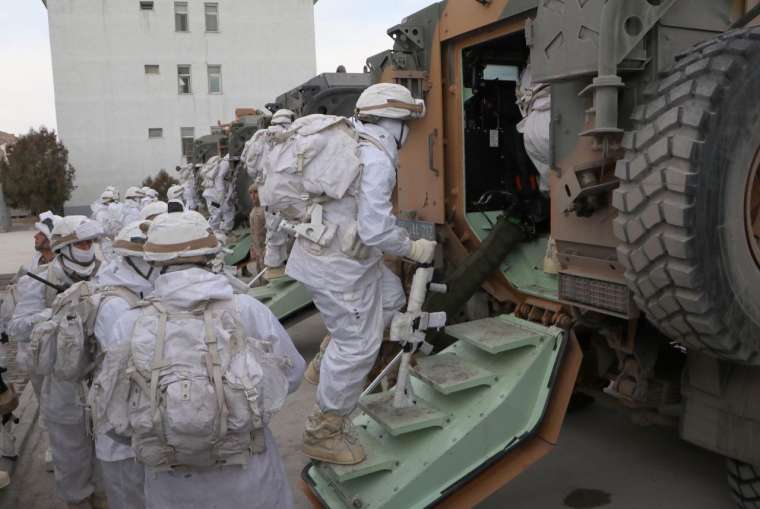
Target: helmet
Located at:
point(150, 192)
point(134, 193)
point(180, 238)
point(283, 117)
point(151, 210)
point(46, 224)
point(114, 192)
point(109, 196)
point(389, 100)
point(71, 229)
point(175, 192)
point(131, 239)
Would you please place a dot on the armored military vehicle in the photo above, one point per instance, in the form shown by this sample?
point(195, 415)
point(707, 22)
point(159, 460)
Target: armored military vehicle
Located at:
point(652, 199)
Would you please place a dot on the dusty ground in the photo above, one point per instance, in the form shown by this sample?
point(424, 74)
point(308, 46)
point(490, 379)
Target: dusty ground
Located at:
point(603, 459)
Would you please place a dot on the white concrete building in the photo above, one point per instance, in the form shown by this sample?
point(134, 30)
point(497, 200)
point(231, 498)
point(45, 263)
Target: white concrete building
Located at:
point(136, 80)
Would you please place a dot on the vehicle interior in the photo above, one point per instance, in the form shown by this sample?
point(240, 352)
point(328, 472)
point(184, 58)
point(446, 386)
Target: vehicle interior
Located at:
point(499, 175)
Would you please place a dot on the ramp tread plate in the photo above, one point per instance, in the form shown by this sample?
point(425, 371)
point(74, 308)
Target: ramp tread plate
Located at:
point(399, 421)
point(449, 373)
point(378, 460)
point(495, 335)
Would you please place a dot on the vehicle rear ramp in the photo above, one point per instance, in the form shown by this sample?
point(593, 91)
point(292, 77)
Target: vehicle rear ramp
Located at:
point(488, 406)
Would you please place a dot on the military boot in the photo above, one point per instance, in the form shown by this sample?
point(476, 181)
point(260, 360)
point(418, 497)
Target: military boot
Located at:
point(274, 273)
point(84, 504)
point(311, 374)
point(99, 501)
point(329, 437)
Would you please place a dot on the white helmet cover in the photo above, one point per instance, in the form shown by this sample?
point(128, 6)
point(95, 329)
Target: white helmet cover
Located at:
point(114, 191)
point(131, 239)
point(283, 117)
point(175, 192)
point(389, 100)
point(134, 193)
point(46, 224)
point(174, 238)
point(71, 229)
point(153, 209)
point(109, 196)
point(149, 191)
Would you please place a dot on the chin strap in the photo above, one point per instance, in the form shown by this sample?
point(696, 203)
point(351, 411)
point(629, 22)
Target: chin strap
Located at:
point(140, 273)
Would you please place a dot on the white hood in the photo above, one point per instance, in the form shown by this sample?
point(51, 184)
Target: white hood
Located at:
point(382, 136)
point(118, 273)
point(186, 289)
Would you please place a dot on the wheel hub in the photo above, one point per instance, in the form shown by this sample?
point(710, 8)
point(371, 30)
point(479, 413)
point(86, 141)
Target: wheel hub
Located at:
point(752, 208)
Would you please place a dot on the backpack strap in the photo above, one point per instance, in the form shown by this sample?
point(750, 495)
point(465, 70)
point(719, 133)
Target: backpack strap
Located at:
point(156, 367)
point(382, 148)
point(214, 367)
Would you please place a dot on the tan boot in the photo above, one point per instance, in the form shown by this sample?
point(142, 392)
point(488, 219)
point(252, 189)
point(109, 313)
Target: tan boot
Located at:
point(311, 374)
point(99, 501)
point(274, 273)
point(5, 479)
point(84, 504)
point(329, 437)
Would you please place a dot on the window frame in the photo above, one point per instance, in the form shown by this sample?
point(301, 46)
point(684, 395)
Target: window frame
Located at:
point(186, 14)
point(189, 79)
point(183, 138)
point(146, 5)
point(208, 78)
point(149, 67)
point(206, 5)
point(152, 130)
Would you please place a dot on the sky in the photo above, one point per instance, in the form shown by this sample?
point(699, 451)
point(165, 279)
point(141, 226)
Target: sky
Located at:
point(347, 32)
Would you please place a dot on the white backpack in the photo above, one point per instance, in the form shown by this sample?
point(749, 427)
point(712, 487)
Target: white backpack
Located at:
point(65, 345)
point(208, 172)
point(315, 160)
point(190, 388)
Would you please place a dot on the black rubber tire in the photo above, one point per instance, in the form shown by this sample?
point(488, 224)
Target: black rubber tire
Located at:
point(680, 220)
point(744, 481)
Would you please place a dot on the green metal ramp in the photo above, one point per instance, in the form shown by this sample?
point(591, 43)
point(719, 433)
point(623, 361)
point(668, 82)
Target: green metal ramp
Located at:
point(482, 396)
point(284, 296)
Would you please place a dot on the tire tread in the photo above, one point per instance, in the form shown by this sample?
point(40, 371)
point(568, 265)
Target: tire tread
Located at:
point(655, 200)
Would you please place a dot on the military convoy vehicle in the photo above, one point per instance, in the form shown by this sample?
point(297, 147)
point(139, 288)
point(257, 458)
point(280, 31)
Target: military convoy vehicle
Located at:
point(653, 203)
point(654, 206)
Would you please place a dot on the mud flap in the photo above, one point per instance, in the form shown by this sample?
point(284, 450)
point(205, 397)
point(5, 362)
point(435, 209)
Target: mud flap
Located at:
point(502, 390)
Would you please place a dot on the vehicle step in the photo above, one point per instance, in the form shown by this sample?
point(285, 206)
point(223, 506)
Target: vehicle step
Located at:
point(378, 460)
point(449, 373)
point(399, 421)
point(498, 334)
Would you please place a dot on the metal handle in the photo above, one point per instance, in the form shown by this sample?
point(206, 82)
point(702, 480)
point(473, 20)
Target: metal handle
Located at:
point(431, 151)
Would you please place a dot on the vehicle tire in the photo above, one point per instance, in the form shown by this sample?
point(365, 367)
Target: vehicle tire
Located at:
point(688, 224)
point(744, 481)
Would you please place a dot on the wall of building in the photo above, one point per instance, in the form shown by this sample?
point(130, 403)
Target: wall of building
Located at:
point(105, 102)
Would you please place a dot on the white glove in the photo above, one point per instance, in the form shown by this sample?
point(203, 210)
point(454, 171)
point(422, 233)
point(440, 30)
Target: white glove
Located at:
point(422, 251)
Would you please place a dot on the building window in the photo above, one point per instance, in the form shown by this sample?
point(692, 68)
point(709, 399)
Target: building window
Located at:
point(151, 69)
point(188, 136)
point(212, 17)
point(181, 18)
point(215, 79)
point(146, 6)
point(155, 132)
point(184, 79)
